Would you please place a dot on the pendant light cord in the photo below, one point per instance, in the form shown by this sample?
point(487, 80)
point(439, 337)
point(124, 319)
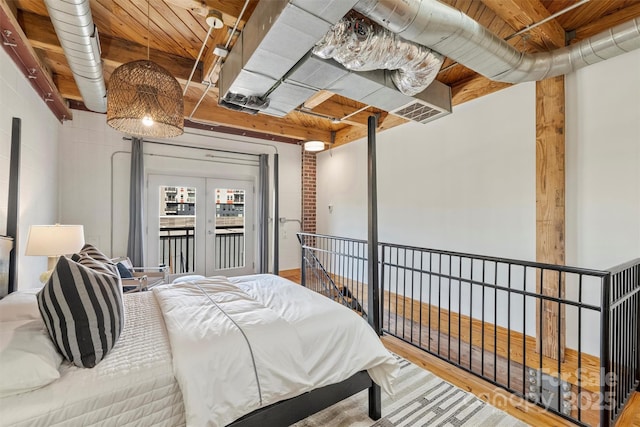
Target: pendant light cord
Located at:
point(148, 26)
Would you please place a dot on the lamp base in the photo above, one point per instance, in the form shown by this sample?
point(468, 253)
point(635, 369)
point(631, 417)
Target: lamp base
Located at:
point(51, 264)
point(44, 277)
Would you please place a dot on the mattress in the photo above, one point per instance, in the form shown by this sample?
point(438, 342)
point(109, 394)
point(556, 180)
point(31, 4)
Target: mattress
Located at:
point(136, 382)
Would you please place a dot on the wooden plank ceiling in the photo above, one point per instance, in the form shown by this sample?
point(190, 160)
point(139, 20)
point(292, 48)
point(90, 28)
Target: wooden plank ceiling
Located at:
point(174, 30)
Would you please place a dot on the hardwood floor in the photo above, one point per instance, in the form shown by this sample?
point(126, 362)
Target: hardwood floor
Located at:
point(519, 408)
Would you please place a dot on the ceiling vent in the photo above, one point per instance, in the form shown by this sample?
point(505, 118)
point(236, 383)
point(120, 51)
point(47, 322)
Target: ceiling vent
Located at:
point(418, 112)
point(430, 104)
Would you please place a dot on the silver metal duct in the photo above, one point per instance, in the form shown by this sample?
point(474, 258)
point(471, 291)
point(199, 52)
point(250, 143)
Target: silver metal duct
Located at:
point(258, 68)
point(363, 46)
point(79, 39)
point(373, 88)
point(276, 36)
point(455, 35)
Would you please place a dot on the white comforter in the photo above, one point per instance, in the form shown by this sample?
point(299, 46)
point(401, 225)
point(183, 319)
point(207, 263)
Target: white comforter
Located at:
point(298, 340)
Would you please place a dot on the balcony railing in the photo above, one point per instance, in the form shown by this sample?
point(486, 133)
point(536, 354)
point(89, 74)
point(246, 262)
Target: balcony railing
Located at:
point(564, 338)
point(177, 249)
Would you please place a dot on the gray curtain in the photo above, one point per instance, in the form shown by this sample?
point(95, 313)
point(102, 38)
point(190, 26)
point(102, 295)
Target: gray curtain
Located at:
point(135, 249)
point(263, 214)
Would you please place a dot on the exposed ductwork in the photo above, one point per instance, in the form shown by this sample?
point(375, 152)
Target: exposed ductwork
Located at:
point(450, 32)
point(372, 88)
point(282, 79)
point(79, 39)
point(362, 46)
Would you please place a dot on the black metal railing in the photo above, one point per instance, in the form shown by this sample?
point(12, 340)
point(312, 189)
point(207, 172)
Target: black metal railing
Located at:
point(319, 280)
point(177, 248)
point(564, 338)
point(621, 340)
point(229, 251)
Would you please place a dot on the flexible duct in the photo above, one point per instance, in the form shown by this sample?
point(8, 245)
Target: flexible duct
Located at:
point(79, 39)
point(450, 32)
point(361, 46)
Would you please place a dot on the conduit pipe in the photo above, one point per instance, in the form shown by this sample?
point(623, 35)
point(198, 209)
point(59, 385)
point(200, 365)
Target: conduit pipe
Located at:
point(450, 32)
point(78, 37)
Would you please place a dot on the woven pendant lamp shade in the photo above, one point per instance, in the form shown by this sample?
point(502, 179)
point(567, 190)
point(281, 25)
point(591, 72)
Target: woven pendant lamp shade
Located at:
point(143, 99)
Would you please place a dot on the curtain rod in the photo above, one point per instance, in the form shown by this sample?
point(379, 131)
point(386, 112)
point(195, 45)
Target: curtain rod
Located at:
point(127, 138)
point(170, 144)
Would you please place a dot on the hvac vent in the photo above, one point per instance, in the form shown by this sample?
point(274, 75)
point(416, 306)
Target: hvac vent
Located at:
point(418, 112)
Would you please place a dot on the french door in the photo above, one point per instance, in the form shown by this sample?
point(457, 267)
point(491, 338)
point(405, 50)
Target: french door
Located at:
point(201, 225)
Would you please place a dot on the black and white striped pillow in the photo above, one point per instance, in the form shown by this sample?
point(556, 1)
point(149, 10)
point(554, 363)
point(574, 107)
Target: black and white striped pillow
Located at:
point(82, 309)
point(94, 253)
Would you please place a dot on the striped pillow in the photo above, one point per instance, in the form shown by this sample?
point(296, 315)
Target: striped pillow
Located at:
point(92, 252)
point(99, 266)
point(82, 309)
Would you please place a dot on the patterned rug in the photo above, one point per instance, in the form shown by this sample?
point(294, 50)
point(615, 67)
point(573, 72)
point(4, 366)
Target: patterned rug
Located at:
point(421, 399)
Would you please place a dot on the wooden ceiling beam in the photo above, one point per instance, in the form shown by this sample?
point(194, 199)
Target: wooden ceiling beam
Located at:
point(115, 52)
point(337, 110)
point(17, 46)
point(317, 98)
point(352, 133)
point(67, 87)
point(210, 112)
point(522, 13)
point(473, 88)
point(607, 21)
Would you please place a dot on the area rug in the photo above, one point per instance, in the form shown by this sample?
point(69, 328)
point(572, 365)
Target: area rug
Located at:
point(421, 399)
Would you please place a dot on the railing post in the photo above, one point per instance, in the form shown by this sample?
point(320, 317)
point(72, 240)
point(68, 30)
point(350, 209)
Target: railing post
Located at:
point(381, 287)
point(605, 353)
point(373, 294)
point(303, 273)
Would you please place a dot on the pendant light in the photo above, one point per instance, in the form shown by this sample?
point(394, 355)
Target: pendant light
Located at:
point(144, 99)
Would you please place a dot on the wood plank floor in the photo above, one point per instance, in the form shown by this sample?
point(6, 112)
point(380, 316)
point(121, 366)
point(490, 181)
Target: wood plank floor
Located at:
point(520, 408)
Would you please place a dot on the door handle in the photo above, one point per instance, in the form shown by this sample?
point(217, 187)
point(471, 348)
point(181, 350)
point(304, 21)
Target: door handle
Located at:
point(210, 233)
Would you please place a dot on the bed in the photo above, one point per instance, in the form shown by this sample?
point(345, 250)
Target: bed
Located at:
point(281, 363)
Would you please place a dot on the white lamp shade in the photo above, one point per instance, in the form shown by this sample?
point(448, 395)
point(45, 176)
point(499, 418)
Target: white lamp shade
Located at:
point(54, 240)
point(313, 146)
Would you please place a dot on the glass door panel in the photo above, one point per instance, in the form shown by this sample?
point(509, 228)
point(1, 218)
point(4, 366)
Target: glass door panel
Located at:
point(229, 229)
point(177, 228)
point(176, 213)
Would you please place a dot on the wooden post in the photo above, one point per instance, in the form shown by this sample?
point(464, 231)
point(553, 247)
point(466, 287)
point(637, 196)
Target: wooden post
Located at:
point(550, 212)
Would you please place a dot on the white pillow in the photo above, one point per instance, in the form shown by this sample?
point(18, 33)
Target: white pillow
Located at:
point(28, 358)
point(20, 305)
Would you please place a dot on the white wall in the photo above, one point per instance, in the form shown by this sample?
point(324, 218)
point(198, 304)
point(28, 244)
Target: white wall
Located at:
point(38, 163)
point(603, 163)
point(467, 182)
point(85, 181)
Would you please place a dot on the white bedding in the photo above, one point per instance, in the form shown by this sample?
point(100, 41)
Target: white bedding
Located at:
point(136, 383)
point(133, 385)
point(237, 347)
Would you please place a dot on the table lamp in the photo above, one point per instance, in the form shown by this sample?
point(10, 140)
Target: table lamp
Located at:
point(53, 241)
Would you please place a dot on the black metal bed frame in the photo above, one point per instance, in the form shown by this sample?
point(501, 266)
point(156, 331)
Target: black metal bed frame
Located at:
point(466, 290)
point(295, 409)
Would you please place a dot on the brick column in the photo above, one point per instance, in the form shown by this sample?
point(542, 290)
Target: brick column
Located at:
point(308, 192)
